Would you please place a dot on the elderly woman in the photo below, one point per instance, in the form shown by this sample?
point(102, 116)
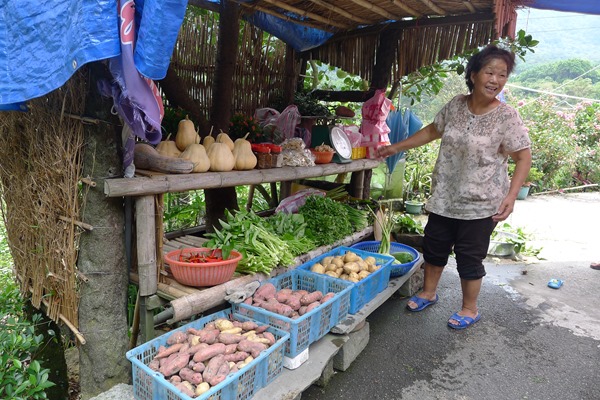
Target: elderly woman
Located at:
point(471, 191)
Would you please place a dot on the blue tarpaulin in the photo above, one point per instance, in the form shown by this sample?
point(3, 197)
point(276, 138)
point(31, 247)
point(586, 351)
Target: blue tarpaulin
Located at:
point(578, 6)
point(43, 42)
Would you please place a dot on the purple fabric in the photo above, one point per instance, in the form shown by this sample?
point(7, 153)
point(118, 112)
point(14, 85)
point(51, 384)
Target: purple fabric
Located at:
point(136, 98)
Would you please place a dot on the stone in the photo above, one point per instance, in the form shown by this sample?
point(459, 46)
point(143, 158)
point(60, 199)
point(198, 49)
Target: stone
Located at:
point(357, 342)
point(326, 375)
point(413, 284)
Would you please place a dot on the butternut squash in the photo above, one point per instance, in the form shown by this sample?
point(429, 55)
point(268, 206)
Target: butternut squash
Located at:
point(207, 141)
point(196, 153)
point(221, 158)
point(224, 138)
point(186, 134)
point(244, 157)
point(168, 148)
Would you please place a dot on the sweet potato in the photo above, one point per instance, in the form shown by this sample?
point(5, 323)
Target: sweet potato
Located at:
point(278, 308)
point(209, 352)
point(311, 298)
point(192, 377)
point(261, 329)
point(294, 302)
point(154, 365)
point(231, 348)
point(175, 365)
point(186, 388)
point(175, 379)
point(248, 301)
point(266, 291)
point(327, 297)
point(216, 370)
point(167, 351)
point(312, 306)
point(208, 336)
point(194, 349)
point(302, 310)
point(254, 348)
point(235, 357)
point(269, 336)
point(177, 337)
point(199, 367)
point(249, 325)
point(223, 324)
point(230, 338)
point(202, 388)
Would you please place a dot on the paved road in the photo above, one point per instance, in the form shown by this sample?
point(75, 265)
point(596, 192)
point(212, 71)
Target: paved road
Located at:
point(532, 342)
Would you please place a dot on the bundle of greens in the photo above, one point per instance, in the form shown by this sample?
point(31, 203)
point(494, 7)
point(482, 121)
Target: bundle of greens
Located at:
point(248, 233)
point(292, 229)
point(327, 220)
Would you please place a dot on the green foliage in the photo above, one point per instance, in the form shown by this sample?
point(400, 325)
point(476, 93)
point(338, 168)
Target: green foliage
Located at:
point(21, 376)
point(418, 171)
point(325, 220)
point(240, 125)
point(520, 240)
point(559, 71)
point(429, 80)
point(405, 223)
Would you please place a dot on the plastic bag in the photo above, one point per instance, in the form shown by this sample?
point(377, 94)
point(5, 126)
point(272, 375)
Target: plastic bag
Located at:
point(373, 127)
point(292, 203)
point(287, 121)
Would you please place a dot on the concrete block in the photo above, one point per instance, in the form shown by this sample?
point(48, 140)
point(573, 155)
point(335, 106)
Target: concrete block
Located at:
point(413, 284)
point(357, 341)
point(326, 375)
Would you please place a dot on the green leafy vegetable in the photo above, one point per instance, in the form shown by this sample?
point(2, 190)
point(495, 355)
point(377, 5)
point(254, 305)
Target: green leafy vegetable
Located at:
point(326, 220)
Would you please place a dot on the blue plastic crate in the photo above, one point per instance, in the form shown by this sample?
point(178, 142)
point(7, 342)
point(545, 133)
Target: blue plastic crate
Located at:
point(366, 289)
point(395, 269)
point(313, 325)
point(240, 385)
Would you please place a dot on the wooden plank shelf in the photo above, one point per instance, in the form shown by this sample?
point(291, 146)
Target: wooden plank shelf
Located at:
point(156, 183)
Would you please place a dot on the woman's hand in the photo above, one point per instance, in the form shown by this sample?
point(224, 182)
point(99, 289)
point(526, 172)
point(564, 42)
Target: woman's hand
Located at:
point(385, 151)
point(506, 208)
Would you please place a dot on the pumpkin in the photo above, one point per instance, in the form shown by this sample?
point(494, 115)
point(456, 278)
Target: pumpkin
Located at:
point(186, 134)
point(224, 138)
point(196, 153)
point(221, 158)
point(244, 157)
point(168, 148)
point(207, 141)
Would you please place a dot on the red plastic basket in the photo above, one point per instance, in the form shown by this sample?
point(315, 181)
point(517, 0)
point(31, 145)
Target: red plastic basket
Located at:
point(202, 274)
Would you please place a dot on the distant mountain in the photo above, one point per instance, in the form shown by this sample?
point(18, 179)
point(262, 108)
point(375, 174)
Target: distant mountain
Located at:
point(562, 36)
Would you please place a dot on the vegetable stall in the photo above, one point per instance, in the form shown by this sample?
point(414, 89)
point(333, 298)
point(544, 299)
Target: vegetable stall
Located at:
point(86, 254)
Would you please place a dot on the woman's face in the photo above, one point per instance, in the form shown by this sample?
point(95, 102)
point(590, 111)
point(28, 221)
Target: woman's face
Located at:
point(490, 80)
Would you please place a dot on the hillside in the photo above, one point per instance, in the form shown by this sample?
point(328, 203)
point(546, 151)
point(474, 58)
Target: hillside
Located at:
point(562, 35)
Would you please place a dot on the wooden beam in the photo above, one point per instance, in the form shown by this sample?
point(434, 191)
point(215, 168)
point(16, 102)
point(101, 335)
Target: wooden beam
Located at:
point(269, 11)
point(375, 9)
point(146, 245)
point(406, 8)
point(340, 11)
point(470, 6)
point(433, 7)
point(161, 183)
point(304, 13)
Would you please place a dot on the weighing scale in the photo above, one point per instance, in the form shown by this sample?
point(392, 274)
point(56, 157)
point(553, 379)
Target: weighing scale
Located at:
point(335, 137)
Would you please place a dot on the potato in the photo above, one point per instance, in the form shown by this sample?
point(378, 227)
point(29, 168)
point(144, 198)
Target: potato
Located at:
point(338, 261)
point(351, 267)
point(363, 274)
point(371, 260)
point(202, 388)
point(317, 268)
point(326, 260)
point(362, 265)
point(332, 274)
point(353, 275)
point(351, 256)
point(330, 267)
point(373, 268)
point(223, 324)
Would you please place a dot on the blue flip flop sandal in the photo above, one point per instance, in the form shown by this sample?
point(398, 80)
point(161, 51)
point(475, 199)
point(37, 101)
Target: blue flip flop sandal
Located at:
point(463, 322)
point(421, 303)
point(555, 283)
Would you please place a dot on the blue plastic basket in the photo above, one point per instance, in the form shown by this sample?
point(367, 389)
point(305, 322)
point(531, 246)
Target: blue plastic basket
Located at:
point(313, 325)
point(243, 384)
point(395, 269)
point(366, 289)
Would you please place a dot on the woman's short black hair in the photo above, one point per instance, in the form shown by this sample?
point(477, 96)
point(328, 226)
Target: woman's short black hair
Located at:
point(485, 56)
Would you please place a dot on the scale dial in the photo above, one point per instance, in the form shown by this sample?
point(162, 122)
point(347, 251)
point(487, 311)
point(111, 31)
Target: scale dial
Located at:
point(340, 142)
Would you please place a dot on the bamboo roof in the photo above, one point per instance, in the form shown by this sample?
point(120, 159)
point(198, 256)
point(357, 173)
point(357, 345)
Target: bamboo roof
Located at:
point(337, 16)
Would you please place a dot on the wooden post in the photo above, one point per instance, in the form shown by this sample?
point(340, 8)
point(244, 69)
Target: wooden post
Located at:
point(146, 257)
